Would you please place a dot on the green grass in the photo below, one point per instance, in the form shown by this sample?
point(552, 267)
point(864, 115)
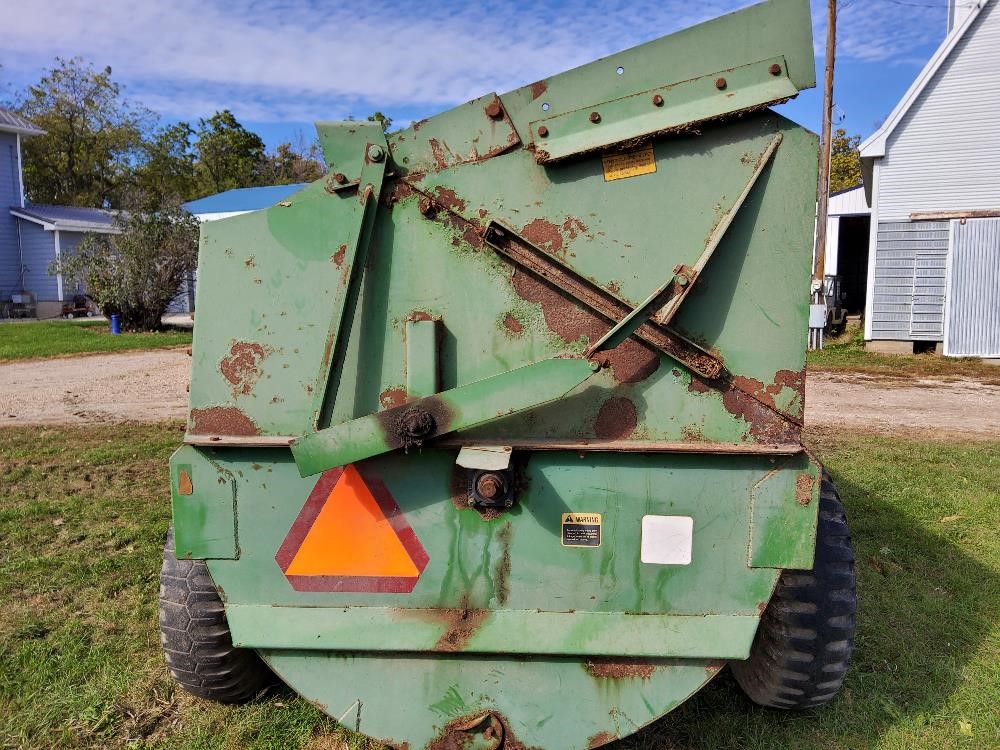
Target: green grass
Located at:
point(84, 512)
point(56, 338)
point(847, 353)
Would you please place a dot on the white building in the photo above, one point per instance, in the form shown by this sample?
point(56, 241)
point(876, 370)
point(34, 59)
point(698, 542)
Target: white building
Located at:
point(932, 178)
point(848, 228)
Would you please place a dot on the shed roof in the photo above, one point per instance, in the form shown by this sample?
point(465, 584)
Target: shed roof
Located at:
point(68, 218)
point(11, 122)
point(241, 200)
point(849, 202)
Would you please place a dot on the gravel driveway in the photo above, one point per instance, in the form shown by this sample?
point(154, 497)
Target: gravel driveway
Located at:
point(150, 386)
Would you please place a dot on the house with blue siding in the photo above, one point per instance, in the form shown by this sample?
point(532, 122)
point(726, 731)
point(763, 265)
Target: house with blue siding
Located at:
point(932, 179)
point(34, 235)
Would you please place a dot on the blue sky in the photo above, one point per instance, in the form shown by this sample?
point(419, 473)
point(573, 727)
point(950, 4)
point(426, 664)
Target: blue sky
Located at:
point(280, 65)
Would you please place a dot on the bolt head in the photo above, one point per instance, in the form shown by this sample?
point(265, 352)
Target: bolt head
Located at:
point(720, 83)
point(543, 132)
point(493, 110)
point(595, 117)
point(375, 153)
point(417, 423)
point(657, 100)
point(340, 178)
point(775, 70)
point(489, 486)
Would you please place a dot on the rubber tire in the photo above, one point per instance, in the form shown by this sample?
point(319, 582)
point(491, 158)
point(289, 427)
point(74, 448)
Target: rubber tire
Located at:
point(803, 647)
point(195, 635)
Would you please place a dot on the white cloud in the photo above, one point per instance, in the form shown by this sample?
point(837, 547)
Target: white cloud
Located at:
point(295, 60)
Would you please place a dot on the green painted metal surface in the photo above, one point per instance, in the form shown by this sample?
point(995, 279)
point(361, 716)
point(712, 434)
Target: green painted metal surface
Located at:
point(622, 311)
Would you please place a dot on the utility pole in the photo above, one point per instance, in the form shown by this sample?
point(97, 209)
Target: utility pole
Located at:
point(823, 185)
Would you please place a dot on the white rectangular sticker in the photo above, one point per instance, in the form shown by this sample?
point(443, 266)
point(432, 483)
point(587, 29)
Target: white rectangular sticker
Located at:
point(666, 540)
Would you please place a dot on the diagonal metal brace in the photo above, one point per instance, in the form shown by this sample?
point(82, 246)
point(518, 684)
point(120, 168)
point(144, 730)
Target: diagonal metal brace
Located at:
point(371, 142)
point(665, 301)
point(419, 421)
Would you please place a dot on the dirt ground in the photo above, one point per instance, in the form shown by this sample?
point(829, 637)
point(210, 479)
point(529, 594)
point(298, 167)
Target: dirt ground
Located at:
point(149, 386)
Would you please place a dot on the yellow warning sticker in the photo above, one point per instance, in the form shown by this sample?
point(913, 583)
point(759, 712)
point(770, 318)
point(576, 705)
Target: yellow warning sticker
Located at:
point(581, 529)
point(624, 164)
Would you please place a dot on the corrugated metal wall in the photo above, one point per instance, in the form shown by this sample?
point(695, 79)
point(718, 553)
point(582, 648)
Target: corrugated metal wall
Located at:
point(973, 326)
point(910, 261)
point(945, 153)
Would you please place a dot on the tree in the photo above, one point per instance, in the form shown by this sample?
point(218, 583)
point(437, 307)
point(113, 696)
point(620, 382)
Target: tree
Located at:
point(845, 161)
point(167, 174)
point(378, 117)
point(229, 155)
point(137, 273)
point(291, 164)
point(92, 136)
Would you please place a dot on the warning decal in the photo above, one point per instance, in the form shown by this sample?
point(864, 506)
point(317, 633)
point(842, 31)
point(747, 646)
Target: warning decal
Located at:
point(581, 529)
point(351, 536)
point(624, 164)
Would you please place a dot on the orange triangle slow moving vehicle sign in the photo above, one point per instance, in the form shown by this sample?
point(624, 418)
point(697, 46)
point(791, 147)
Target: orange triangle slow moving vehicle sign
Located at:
point(351, 536)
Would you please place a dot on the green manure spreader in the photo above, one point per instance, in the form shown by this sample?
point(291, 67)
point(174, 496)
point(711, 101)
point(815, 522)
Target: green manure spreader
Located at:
point(495, 431)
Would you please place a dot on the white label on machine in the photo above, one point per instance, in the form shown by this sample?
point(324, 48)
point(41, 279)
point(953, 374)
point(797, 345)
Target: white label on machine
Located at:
point(666, 540)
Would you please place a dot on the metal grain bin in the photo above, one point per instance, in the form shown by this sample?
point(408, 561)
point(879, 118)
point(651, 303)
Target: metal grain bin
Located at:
point(494, 433)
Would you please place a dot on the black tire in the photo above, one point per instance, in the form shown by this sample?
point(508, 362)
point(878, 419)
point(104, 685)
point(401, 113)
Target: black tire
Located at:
point(803, 646)
point(195, 635)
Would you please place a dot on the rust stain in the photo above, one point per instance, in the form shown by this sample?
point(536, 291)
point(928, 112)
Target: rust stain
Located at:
point(600, 739)
point(501, 575)
point(392, 397)
point(418, 315)
point(438, 152)
point(616, 420)
point(767, 393)
point(469, 231)
point(630, 362)
point(338, 257)
point(461, 625)
point(544, 234)
point(491, 726)
point(619, 669)
point(448, 199)
point(222, 420)
point(613, 287)
point(249, 262)
point(761, 606)
point(538, 88)
point(573, 227)
point(242, 367)
point(693, 433)
point(803, 489)
point(184, 485)
point(765, 425)
point(697, 385)
point(512, 324)
point(419, 124)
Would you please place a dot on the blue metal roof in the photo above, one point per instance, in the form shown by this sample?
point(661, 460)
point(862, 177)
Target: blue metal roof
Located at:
point(242, 199)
